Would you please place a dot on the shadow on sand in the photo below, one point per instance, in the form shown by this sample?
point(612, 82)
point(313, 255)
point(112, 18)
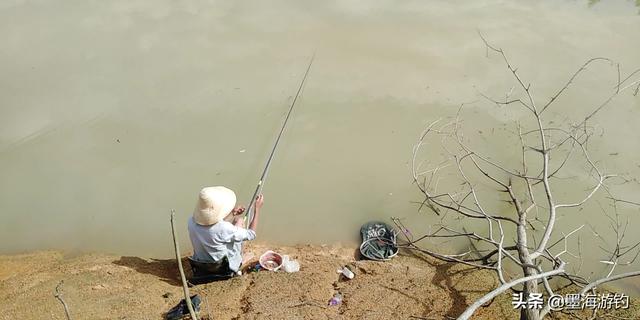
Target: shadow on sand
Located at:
point(444, 279)
point(166, 270)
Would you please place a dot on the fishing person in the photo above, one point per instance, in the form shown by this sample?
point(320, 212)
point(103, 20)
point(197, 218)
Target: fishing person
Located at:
point(217, 242)
point(214, 238)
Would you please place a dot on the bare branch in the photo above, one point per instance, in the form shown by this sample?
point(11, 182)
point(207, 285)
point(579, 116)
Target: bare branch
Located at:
point(58, 295)
point(609, 279)
point(582, 68)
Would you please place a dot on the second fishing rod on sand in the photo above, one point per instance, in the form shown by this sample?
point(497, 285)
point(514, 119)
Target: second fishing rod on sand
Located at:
point(263, 177)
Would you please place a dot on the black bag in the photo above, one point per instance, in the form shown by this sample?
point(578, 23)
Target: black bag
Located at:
point(378, 241)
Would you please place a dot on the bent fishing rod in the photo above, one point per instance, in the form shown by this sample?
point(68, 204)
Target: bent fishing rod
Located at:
point(263, 177)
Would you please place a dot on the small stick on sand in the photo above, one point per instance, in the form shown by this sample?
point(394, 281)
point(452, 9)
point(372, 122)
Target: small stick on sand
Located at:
point(185, 288)
point(308, 303)
point(58, 296)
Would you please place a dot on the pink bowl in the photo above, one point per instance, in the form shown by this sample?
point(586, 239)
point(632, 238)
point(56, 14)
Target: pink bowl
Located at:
point(271, 260)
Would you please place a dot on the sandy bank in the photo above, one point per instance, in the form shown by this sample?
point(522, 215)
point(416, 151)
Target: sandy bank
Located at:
point(98, 286)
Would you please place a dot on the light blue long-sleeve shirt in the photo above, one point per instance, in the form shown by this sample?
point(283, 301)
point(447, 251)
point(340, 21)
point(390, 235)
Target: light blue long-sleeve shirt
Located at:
point(212, 243)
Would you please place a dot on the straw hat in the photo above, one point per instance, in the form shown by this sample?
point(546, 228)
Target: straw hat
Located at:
point(214, 204)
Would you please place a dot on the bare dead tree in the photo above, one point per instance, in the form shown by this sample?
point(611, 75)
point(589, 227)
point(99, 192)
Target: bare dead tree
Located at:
point(465, 186)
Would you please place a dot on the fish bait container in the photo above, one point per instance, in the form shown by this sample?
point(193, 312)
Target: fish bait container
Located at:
point(271, 260)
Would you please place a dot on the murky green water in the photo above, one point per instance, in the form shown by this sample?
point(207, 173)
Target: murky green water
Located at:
point(112, 113)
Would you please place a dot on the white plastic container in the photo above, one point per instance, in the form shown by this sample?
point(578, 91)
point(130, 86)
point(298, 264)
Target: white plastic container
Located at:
point(289, 265)
point(346, 272)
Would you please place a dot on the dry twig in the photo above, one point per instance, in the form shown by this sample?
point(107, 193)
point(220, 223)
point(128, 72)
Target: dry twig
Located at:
point(58, 295)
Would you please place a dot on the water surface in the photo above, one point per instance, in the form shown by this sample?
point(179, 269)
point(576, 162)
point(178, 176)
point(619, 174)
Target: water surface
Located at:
point(112, 113)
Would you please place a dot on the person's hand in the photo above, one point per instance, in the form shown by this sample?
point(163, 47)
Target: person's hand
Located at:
point(238, 222)
point(259, 201)
point(238, 210)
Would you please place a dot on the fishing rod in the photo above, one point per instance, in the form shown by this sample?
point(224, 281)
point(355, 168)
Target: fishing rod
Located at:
point(263, 177)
